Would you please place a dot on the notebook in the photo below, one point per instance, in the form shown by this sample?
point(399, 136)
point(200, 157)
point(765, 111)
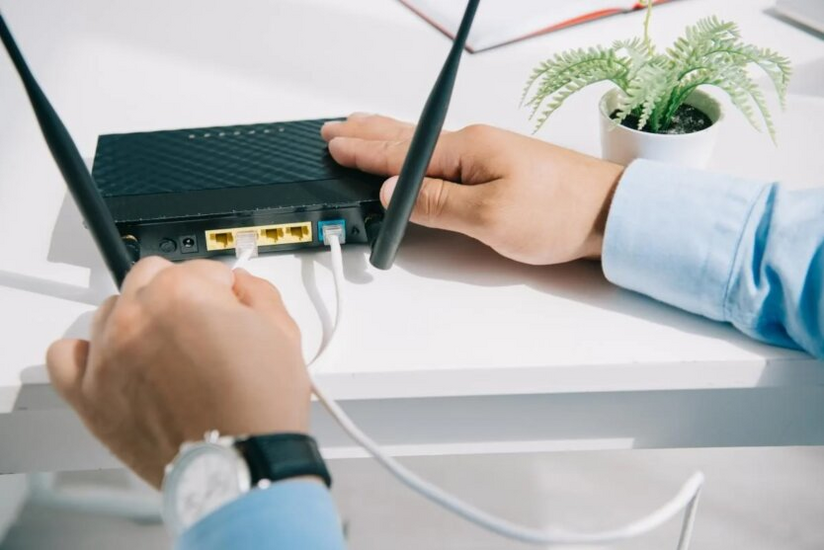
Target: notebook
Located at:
point(500, 22)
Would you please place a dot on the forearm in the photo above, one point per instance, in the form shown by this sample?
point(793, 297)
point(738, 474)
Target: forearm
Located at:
point(289, 514)
point(732, 250)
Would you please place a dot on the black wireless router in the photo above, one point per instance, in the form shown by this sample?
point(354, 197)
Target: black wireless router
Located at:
point(186, 193)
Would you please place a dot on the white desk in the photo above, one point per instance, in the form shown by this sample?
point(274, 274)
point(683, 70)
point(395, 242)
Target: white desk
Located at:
point(455, 350)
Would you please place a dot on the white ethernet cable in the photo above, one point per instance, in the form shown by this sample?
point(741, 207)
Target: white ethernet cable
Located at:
point(333, 235)
point(686, 499)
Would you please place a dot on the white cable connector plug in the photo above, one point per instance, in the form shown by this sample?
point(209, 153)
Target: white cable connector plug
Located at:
point(328, 230)
point(246, 248)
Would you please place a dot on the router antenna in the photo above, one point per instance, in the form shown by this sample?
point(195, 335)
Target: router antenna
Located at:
point(77, 176)
point(420, 151)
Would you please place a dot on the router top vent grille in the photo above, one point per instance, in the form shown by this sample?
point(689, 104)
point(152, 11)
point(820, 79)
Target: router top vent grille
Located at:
point(212, 158)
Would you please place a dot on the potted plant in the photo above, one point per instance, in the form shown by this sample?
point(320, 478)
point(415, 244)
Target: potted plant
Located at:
point(657, 110)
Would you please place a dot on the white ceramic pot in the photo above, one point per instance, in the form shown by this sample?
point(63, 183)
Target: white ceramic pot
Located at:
point(622, 145)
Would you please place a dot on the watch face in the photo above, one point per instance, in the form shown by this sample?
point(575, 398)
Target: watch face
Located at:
point(202, 479)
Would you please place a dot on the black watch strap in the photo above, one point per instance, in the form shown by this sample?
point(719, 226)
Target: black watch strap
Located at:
point(282, 456)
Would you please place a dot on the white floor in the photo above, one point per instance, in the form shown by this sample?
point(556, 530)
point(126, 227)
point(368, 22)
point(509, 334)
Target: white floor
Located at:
point(757, 499)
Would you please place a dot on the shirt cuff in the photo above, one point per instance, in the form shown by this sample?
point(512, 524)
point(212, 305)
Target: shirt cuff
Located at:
point(672, 233)
point(288, 514)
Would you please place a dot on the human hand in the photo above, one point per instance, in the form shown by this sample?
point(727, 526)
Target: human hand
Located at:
point(529, 200)
point(184, 349)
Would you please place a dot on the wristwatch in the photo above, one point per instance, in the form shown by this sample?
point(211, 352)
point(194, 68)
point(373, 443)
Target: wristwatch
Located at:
point(208, 474)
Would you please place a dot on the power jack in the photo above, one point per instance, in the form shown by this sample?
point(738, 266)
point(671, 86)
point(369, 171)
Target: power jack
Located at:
point(188, 244)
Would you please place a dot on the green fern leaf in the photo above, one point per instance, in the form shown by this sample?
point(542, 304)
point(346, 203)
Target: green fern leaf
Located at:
point(556, 79)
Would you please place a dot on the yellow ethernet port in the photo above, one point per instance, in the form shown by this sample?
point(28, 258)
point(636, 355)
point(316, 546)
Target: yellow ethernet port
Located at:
point(267, 235)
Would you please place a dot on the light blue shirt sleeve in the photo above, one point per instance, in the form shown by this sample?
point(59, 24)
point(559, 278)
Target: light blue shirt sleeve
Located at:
point(749, 253)
point(287, 515)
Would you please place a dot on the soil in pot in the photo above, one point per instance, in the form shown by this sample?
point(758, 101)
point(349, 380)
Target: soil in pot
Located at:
point(687, 119)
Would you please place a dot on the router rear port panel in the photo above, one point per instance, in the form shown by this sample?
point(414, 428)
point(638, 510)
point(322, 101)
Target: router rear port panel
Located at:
point(186, 239)
point(266, 235)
